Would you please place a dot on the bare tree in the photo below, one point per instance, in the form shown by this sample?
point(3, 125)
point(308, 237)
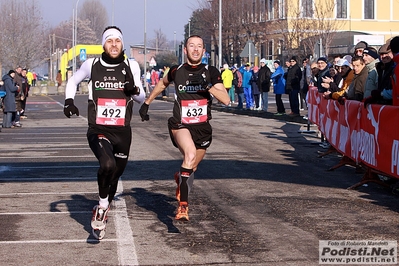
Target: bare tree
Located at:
point(63, 34)
point(96, 14)
point(22, 35)
point(160, 41)
point(302, 32)
point(324, 27)
point(242, 21)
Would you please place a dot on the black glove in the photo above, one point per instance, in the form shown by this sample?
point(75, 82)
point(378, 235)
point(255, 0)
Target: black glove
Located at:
point(198, 79)
point(341, 100)
point(144, 112)
point(70, 108)
point(129, 87)
point(374, 98)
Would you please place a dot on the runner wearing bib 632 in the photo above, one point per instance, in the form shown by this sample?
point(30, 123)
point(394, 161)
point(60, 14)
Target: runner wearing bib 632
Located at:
point(189, 126)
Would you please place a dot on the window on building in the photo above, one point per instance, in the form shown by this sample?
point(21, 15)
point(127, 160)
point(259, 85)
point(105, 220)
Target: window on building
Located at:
point(270, 50)
point(342, 8)
point(255, 11)
point(281, 8)
point(369, 9)
point(262, 11)
point(280, 47)
point(270, 9)
point(307, 8)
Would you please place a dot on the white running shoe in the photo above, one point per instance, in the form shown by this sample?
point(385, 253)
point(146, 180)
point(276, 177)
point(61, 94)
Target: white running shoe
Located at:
point(98, 234)
point(99, 218)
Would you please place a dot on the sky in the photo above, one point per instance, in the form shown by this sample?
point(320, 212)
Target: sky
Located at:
point(167, 15)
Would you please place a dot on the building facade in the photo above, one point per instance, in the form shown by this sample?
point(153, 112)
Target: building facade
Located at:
point(282, 28)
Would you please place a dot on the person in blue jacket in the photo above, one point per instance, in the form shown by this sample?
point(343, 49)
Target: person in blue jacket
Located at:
point(246, 85)
point(10, 106)
point(278, 86)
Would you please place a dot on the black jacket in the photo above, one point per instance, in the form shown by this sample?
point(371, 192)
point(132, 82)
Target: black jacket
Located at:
point(294, 75)
point(264, 79)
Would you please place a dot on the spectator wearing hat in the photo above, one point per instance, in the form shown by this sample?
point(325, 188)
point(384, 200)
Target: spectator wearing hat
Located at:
point(293, 85)
point(246, 84)
point(370, 56)
point(9, 100)
point(385, 70)
point(394, 45)
point(322, 65)
point(278, 86)
point(255, 88)
point(383, 93)
point(264, 83)
point(20, 81)
point(343, 67)
point(360, 47)
point(333, 83)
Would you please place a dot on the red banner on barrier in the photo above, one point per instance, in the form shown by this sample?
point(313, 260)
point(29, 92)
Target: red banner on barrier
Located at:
point(370, 136)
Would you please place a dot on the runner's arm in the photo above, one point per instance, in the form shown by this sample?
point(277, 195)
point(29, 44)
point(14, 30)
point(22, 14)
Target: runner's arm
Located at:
point(83, 72)
point(135, 68)
point(220, 93)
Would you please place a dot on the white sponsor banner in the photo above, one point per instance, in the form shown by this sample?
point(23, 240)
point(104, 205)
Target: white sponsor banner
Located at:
point(369, 39)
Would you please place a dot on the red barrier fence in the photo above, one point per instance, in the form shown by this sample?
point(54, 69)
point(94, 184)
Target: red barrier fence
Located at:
point(366, 135)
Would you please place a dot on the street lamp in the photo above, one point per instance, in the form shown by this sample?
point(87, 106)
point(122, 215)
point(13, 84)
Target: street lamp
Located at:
point(174, 44)
point(74, 35)
point(145, 45)
point(189, 27)
point(113, 11)
point(220, 33)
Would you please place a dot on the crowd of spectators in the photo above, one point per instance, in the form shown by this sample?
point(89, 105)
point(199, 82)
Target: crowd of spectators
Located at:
point(15, 86)
point(367, 75)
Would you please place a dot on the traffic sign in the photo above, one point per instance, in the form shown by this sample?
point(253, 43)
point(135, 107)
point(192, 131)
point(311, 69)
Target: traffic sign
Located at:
point(83, 55)
point(153, 62)
point(205, 57)
point(249, 50)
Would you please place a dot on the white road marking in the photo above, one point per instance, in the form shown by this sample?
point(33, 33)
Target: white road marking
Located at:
point(126, 248)
point(55, 212)
point(56, 241)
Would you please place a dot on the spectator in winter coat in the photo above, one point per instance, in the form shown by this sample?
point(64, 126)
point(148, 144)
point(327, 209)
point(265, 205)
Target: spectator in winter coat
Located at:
point(154, 78)
point(292, 86)
point(10, 106)
point(370, 57)
point(227, 77)
point(324, 72)
point(278, 86)
point(394, 45)
point(356, 88)
point(344, 69)
point(333, 83)
point(237, 82)
point(246, 84)
point(264, 83)
point(255, 87)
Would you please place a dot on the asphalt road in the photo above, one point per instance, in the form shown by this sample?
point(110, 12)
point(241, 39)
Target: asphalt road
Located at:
point(261, 196)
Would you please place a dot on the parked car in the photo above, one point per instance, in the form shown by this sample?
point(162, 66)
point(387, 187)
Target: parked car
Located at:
point(41, 78)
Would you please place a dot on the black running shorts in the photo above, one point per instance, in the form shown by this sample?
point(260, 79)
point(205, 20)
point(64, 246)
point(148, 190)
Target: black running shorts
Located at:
point(201, 133)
